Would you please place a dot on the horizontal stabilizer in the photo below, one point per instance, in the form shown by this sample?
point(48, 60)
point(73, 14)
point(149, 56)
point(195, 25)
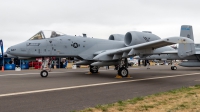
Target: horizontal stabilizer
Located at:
point(197, 52)
point(190, 63)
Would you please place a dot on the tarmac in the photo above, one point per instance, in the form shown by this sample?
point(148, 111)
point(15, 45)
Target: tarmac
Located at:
point(65, 90)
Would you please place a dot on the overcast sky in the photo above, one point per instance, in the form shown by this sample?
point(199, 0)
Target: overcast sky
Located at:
point(21, 19)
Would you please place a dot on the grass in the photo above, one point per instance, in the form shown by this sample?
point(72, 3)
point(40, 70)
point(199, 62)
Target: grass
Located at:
point(185, 99)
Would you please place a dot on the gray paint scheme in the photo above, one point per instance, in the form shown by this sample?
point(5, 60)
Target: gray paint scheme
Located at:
point(96, 50)
point(117, 37)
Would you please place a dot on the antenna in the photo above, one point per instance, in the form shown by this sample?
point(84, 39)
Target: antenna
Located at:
point(84, 35)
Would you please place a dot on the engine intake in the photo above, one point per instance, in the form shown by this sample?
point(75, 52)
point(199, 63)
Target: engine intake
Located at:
point(134, 38)
point(117, 37)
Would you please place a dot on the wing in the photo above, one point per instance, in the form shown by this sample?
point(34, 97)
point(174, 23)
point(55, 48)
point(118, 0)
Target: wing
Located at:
point(144, 48)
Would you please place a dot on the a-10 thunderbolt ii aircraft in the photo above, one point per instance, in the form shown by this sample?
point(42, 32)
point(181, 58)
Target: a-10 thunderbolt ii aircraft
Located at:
point(97, 52)
point(193, 60)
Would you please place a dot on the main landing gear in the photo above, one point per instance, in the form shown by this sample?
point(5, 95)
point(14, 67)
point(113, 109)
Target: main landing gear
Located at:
point(122, 69)
point(123, 72)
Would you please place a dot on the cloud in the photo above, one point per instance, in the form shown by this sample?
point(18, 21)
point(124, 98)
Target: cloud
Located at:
point(21, 19)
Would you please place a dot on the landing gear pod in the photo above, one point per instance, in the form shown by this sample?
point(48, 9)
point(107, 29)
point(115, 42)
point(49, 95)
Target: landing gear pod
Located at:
point(43, 73)
point(94, 69)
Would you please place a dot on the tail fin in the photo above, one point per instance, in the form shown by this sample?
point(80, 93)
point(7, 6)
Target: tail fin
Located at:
point(188, 49)
point(186, 31)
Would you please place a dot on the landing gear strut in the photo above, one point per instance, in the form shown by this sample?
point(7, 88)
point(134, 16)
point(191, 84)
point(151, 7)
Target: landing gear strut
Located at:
point(122, 70)
point(44, 73)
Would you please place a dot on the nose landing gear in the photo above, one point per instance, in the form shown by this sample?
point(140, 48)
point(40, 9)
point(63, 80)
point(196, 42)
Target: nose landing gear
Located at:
point(43, 73)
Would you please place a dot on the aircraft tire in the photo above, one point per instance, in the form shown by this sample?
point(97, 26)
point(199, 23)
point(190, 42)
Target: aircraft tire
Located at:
point(94, 69)
point(123, 72)
point(43, 73)
point(175, 68)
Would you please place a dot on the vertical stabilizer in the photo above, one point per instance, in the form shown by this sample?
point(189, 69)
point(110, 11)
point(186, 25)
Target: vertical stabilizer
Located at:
point(186, 31)
point(186, 49)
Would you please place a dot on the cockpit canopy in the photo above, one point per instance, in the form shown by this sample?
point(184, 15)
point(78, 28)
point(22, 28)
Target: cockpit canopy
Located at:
point(46, 34)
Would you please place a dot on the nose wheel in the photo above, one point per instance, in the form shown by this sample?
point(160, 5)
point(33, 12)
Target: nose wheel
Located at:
point(43, 73)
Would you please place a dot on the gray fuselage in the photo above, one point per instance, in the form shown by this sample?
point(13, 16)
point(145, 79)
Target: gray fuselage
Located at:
point(74, 46)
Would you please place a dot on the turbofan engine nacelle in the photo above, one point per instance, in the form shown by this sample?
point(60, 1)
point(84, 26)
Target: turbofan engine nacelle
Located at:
point(134, 38)
point(117, 37)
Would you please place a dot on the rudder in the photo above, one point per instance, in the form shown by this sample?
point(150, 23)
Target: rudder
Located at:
point(186, 31)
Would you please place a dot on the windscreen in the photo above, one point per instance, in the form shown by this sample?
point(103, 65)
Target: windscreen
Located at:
point(37, 36)
point(46, 34)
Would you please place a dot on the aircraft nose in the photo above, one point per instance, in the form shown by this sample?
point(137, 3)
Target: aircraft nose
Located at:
point(17, 50)
point(8, 50)
point(11, 50)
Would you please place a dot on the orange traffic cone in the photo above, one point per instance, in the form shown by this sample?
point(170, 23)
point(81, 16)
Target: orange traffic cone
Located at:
point(2, 69)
